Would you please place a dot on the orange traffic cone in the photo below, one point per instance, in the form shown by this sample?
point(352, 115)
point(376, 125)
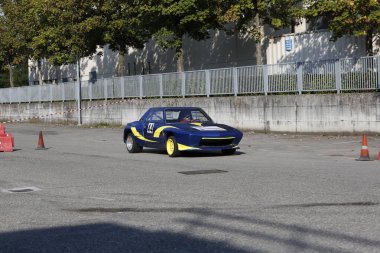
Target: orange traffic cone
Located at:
point(364, 153)
point(6, 140)
point(40, 145)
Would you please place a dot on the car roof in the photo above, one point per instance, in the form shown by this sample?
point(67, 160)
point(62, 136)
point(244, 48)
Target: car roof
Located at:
point(169, 107)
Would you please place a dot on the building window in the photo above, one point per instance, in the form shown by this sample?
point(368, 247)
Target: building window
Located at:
point(320, 23)
point(92, 77)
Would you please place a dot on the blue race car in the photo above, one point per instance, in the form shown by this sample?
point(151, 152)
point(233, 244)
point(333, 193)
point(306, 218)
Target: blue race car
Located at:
point(178, 129)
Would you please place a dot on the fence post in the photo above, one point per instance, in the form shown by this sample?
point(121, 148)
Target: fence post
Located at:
point(19, 95)
point(235, 80)
point(208, 83)
point(113, 88)
point(266, 79)
point(299, 77)
point(160, 83)
point(141, 86)
point(90, 87)
point(183, 86)
point(378, 72)
point(105, 88)
point(10, 95)
point(22, 99)
point(29, 94)
point(338, 76)
point(51, 93)
point(122, 80)
point(39, 93)
point(63, 92)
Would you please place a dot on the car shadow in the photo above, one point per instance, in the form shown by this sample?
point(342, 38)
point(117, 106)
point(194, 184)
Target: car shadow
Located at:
point(192, 154)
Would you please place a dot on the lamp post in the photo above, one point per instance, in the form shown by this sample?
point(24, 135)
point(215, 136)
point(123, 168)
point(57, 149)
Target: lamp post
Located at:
point(79, 92)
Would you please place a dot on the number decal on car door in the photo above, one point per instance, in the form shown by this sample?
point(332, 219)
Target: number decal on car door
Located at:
point(150, 128)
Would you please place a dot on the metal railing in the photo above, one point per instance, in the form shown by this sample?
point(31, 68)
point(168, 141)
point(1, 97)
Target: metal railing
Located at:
point(321, 76)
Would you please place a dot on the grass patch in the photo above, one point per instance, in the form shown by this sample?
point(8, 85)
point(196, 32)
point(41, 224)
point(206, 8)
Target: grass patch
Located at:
point(103, 125)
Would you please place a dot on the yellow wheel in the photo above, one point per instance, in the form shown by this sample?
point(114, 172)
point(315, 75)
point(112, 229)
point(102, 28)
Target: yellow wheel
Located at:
point(172, 147)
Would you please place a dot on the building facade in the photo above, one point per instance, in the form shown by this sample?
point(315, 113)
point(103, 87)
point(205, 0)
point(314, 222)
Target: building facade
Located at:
point(299, 44)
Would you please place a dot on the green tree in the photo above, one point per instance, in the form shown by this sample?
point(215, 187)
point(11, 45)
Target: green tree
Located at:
point(59, 31)
point(67, 30)
point(277, 13)
point(348, 17)
point(170, 20)
point(13, 46)
point(62, 32)
point(249, 17)
point(124, 28)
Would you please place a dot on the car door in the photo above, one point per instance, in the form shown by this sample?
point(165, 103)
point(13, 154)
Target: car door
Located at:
point(153, 121)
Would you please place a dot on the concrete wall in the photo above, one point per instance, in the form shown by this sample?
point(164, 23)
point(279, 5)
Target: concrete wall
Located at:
point(349, 113)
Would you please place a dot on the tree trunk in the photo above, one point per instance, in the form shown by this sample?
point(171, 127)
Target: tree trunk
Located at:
point(57, 74)
point(39, 72)
point(11, 82)
point(180, 61)
point(120, 70)
point(236, 37)
point(258, 51)
point(369, 43)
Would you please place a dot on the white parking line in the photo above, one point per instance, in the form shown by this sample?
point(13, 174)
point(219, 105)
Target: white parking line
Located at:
point(345, 142)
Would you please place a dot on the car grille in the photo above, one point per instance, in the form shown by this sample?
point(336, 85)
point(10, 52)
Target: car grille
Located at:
point(216, 142)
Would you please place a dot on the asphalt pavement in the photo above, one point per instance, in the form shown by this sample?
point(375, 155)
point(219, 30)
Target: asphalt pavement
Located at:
point(278, 193)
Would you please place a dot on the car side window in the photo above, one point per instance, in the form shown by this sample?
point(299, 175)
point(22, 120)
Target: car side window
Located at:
point(172, 116)
point(199, 116)
point(155, 116)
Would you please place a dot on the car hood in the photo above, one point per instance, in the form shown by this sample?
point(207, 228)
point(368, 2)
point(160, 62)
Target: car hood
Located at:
point(206, 127)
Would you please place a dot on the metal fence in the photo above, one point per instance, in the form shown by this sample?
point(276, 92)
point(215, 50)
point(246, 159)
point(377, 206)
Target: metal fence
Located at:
point(321, 76)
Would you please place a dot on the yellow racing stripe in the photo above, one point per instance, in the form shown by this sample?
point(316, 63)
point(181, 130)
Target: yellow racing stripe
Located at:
point(196, 123)
point(139, 136)
point(182, 147)
point(160, 129)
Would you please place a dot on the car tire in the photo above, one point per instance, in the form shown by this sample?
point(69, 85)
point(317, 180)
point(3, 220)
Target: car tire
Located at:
point(228, 151)
point(132, 145)
point(172, 147)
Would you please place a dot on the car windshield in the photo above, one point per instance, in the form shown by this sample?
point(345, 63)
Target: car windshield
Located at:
point(186, 116)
